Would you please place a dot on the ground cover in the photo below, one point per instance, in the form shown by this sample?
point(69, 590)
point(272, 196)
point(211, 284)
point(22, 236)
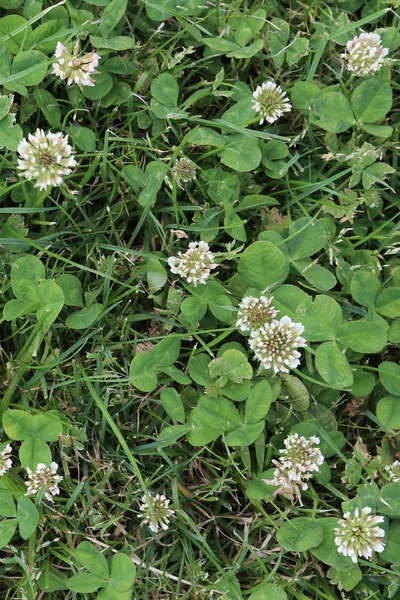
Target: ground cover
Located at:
point(200, 308)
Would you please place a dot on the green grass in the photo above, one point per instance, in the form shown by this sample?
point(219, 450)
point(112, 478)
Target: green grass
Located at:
point(98, 226)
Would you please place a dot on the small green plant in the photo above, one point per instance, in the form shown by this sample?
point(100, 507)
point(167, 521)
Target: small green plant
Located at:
point(34, 431)
point(115, 582)
point(200, 300)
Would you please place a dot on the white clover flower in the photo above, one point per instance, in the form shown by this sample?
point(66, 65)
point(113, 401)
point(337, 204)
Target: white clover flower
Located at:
point(270, 101)
point(299, 460)
point(255, 312)
point(184, 170)
point(358, 534)
point(364, 54)
point(161, 512)
point(43, 476)
point(5, 460)
point(195, 264)
point(74, 68)
point(45, 157)
point(393, 471)
point(275, 343)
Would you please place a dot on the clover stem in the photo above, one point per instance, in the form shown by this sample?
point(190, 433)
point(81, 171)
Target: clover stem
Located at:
point(25, 358)
point(32, 549)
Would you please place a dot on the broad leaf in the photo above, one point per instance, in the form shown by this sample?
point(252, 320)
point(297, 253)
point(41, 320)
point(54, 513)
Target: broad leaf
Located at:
point(362, 336)
point(365, 288)
point(321, 319)
point(333, 112)
point(167, 351)
point(268, 591)
point(112, 15)
point(142, 372)
point(388, 412)
point(123, 573)
point(92, 559)
point(262, 264)
point(17, 424)
point(258, 402)
point(172, 404)
point(7, 530)
point(34, 451)
point(388, 302)
point(306, 237)
point(389, 375)
point(7, 504)
point(245, 434)
point(27, 517)
point(300, 534)
point(233, 365)
point(242, 153)
point(372, 100)
point(333, 367)
point(85, 583)
point(84, 318)
point(165, 90)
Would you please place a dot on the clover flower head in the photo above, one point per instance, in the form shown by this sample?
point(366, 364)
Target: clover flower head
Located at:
point(255, 312)
point(393, 471)
point(299, 460)
point(275, 343)
point(45, 157)
point(184, 170)
point(364, 54)
point(161, 513)
point(43, 476)
point(359, 535)
point(5, 460)
point(73, 67)
point(270, 101)
point(195, 264)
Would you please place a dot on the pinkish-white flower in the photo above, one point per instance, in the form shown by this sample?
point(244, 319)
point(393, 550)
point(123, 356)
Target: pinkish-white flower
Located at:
point(156, 512)
point(275, 344)
point(254, 312)
point(393, 471)
point(364, 54)
point(359, 534)
point(298, 461)
point(270, 101)
point(184, 170)
point(5, 460)
point(43, 477)
point(73, 67)
point(195, 264)
point(45, 157)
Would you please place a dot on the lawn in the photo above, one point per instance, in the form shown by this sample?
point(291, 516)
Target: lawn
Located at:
point(200, 307)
